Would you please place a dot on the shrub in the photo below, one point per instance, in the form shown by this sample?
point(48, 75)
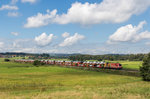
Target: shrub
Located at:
point(145, 69)
point(36, 63)
point(42, 63)
point(6, 60)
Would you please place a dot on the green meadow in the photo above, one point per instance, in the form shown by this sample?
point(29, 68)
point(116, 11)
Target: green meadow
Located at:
point(25, 81)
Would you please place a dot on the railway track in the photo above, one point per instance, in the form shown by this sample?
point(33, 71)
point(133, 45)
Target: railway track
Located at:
point(127, 72)
point(130, 70)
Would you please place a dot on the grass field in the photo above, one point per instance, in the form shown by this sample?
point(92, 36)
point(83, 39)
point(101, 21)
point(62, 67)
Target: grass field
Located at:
point(24, 81)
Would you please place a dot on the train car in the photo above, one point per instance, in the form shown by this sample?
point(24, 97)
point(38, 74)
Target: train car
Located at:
point(99, 65)
point(68, 63)
point(94, 64)
point(57, 62)
point(84, 64)
point(80, 63)
point(75, 63)
point(30, 61)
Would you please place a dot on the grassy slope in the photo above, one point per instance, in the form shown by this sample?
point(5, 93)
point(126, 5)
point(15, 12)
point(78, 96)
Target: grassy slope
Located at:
point(26, 81)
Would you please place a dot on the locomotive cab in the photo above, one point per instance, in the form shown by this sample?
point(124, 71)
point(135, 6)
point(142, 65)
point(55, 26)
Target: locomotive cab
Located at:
point(119, 66)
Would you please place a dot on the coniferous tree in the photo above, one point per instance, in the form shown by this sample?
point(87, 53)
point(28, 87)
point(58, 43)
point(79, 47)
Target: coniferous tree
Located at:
point(145, 69)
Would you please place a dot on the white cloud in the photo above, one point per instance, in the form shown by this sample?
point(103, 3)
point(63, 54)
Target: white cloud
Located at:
point(8, 7)
point(129, 33)
point(1, 44)
point(72, 40)
point(21, 43)
point(147, 43)
point(15, 45)
point(142, 35)
point(15, 33)
point(66, 34)
point(14, 1)
point(44, 39)
point(29, 1)
point(40, 19)
point(108, 11)
point(29, 46)
point(13, 14)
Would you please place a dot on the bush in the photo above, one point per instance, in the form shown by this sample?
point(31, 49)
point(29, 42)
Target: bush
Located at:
point(36, 63)
point(6, 60)
point(145, 69)
point(42, 63)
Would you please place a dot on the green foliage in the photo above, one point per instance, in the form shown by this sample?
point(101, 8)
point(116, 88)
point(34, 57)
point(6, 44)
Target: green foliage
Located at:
point(99, 59)
point(145, 69)
point(6, 60)
point(42, 64)
point(45, 55)
point(111, 57)
point(36, 63)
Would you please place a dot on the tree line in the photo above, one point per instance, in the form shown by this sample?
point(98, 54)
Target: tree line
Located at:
point(111, 57)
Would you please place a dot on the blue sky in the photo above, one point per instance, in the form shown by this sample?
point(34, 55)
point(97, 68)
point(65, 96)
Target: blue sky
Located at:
point(75, 26)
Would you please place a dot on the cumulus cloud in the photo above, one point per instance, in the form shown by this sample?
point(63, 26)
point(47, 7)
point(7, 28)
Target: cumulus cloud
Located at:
point(44, 39)
point(15, 45)
point(40, 19)
point(66, 34)
point(14, 1)
point(72, 40)
point(29, 46)
point(107, 11)
point(8, 7)
point(1, 44)
point(13, 14)
point(29, 1)
point(142, 35)
point(147, 43)
point(15, 33)
point(129, 33)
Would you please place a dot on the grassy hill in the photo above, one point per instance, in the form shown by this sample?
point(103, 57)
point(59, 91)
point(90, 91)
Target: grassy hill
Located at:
point(51, 82)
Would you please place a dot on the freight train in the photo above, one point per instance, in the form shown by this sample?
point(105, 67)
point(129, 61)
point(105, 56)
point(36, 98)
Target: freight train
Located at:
point(76, 63)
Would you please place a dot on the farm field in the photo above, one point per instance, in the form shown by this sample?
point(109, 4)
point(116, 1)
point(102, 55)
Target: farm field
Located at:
point(26, 81)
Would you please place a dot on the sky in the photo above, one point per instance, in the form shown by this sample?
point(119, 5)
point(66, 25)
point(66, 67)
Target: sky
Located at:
point(75, 26)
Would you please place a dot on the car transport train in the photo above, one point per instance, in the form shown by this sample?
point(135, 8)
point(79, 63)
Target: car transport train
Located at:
point(102, 64)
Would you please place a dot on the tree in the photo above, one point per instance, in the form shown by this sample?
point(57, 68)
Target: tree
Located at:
point(99, 59)
point(6, 60)
point(145, 69)
point(36, 63)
